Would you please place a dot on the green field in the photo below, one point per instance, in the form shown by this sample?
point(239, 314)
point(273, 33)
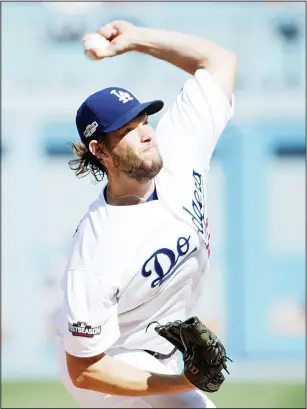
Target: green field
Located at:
point(231, 395)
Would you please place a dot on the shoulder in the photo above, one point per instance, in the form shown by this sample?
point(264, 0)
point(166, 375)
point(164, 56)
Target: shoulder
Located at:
point(203, 85)
point(95, 217)
point(89, 237)
point(200, 97)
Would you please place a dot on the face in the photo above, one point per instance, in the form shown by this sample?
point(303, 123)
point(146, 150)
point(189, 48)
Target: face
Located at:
point(132, 150)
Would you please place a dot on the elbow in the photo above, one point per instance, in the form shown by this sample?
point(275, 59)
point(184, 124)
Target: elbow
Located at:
point(220, 58)
point(231, 64)
point(76, 369)
point(79, 369)
point(232, 58)
point(230, 54)
point(227, 59)
point(78, 380)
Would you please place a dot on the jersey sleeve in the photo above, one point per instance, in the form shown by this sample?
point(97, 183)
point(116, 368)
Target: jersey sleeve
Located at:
point(195, 121)
point(90, 312)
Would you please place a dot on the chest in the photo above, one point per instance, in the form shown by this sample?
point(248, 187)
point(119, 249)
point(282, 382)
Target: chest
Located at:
point(163, 255)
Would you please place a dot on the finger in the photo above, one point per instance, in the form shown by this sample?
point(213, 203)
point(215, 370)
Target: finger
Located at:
point(106, 52)
point(98, 54)
point(122, 25)
point(108, 31)
point(92, 54)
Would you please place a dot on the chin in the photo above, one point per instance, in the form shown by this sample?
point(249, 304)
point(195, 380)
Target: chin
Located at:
point(152, 154)
point(153, 161)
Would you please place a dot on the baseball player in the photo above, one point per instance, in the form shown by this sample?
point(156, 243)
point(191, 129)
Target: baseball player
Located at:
point(140, 253)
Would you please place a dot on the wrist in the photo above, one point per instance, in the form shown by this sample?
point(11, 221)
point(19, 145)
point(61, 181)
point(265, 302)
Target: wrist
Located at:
point(141, 40)
point(185, 383)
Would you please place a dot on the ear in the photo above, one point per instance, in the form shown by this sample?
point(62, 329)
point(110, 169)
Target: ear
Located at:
point(97, 149)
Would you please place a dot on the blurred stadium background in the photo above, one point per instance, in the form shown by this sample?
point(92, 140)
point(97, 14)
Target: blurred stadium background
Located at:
point(256, 193)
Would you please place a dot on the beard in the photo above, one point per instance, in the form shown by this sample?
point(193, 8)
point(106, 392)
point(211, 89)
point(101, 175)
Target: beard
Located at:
point(137, 168)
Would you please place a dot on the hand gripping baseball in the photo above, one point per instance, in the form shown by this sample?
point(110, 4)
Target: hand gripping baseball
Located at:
point(121, 36)
point(204, 355)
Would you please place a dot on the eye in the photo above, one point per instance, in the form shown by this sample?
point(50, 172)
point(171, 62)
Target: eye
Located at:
point(126, 131)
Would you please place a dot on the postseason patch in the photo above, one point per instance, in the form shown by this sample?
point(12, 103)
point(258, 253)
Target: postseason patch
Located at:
point(82, 329)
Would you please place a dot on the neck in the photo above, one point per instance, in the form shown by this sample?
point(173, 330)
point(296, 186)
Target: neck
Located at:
point(126, 191)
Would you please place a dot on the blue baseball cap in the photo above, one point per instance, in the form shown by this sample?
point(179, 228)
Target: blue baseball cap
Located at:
point(108, 110)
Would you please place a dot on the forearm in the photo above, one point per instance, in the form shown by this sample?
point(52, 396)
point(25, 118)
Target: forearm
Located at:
point(185, 51)
point(112, 376)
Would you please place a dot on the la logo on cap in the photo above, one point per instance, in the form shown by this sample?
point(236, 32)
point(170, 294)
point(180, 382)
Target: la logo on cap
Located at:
point(122, 95)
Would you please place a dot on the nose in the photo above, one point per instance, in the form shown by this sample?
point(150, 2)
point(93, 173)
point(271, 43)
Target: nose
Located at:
point(145, 133)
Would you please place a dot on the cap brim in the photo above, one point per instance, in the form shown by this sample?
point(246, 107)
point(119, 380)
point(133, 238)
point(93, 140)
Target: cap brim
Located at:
point(151, 108)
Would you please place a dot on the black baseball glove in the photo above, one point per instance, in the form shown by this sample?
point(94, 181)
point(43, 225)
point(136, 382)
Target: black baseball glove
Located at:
point(204, 355)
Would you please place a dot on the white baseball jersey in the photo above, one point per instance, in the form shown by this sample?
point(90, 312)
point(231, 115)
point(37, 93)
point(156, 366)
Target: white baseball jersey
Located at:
point(131, 265)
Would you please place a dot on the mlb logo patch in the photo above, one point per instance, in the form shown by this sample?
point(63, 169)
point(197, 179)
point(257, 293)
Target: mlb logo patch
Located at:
point(90, 129)
point(82, 329)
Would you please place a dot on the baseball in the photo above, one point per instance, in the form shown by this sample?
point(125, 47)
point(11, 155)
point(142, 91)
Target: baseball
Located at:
point(94, 41)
